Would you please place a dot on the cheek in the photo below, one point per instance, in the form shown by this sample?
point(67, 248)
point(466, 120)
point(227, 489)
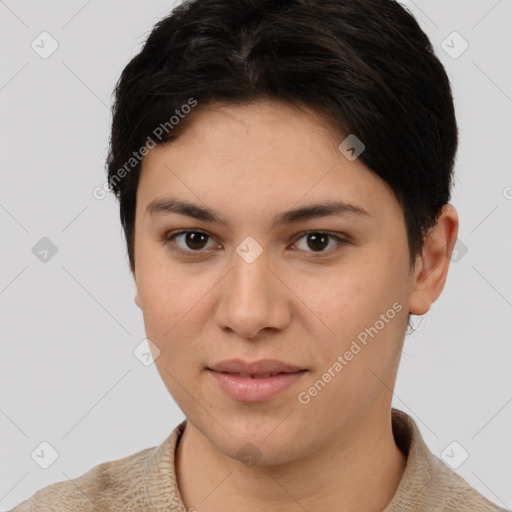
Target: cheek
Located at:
point(163, 304)
point(174, 308)
point(171, 304)
point(346, 296)
point(164, 289)
point(360, 303)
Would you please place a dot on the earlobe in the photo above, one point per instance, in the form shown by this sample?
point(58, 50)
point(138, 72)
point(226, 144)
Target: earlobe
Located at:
point(417, 304)
point(432, 265)
point(137, 299)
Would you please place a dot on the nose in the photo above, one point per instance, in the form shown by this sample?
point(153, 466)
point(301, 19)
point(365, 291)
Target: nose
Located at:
point(252, 298)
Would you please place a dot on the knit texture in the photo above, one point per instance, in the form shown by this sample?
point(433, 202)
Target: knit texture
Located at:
point(146, 481)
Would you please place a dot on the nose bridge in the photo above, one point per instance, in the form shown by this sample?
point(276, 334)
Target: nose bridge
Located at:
point(251, 299)
point(251, 280)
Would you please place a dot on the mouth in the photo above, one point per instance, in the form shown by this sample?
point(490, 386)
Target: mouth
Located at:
point(258, 375)
point(262, 367)
point(258, 381)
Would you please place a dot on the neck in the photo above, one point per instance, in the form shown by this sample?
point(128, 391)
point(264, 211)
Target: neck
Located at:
point(360, 470)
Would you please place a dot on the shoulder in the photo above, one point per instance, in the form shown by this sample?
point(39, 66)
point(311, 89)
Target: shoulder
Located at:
point(428, 484)
point(110, 486)
point(450, 492)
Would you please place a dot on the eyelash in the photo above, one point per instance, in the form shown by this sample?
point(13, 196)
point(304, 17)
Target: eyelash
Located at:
point(191, 253)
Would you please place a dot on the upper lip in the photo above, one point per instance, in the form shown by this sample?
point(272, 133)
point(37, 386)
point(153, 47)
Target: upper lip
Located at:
point(263, 366)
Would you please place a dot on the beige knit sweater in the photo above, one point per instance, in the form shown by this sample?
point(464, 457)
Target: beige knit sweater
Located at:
point(146, 481)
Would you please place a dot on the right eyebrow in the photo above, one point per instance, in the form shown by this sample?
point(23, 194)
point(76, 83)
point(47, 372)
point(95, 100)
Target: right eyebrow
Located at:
point(169, 205)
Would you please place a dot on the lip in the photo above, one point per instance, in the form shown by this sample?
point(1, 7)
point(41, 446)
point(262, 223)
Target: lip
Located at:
point(259, 367)
point(234, 378)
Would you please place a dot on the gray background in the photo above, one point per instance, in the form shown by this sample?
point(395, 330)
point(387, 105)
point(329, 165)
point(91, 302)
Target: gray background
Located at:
point(69, 325)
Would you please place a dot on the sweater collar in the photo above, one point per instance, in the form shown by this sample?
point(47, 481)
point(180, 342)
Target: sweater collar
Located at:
point(422, 465)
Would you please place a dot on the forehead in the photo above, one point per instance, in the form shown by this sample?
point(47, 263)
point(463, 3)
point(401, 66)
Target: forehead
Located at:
point(266, 154)
point(222, 122)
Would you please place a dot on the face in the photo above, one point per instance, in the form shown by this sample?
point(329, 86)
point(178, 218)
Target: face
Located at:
point(235, 278)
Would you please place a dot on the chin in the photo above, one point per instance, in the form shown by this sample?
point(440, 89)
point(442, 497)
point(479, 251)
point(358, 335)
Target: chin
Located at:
point(261, 443)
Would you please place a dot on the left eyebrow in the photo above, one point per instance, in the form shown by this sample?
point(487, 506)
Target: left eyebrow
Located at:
point(313, 211)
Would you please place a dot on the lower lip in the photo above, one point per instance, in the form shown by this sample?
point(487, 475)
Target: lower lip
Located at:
point(250, 389)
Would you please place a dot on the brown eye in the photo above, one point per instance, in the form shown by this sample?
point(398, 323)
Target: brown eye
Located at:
point(317, 241)
point(189, 241)
point(195, 240)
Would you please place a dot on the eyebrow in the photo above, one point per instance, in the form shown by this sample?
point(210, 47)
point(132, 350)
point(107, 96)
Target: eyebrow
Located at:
point(324, 209)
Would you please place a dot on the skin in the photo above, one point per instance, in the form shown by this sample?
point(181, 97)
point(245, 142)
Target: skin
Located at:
point(294, 303)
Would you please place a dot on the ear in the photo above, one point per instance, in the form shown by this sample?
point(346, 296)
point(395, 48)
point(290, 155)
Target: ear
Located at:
point(431, 267)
